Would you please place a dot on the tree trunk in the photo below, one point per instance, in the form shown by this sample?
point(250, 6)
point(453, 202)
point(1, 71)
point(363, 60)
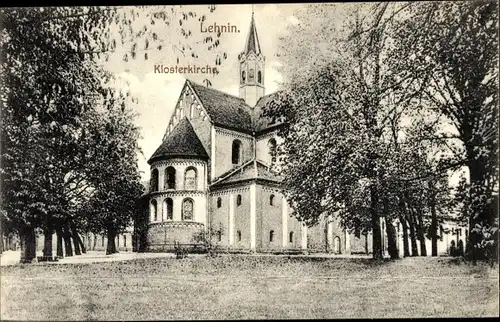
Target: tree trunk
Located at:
point(59, 233)
point(28, 244)
point(421, 233)
point(375, 221)
point(392, 247)
point(434, 227)
point(479, 210)
point(1, 237)
point(74, 237)
point(413, 238)
point(47, 242)
point(82, 244)
point(67, 240)
point(404, 225)
point(111, 246)
point(95, 241)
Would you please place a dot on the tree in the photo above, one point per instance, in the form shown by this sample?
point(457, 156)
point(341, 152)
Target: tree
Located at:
point(356, 99)
point(49, 82)
point(114, 176)
point(454, 55)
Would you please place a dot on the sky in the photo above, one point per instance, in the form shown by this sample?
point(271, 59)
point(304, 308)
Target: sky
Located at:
point(157, 93)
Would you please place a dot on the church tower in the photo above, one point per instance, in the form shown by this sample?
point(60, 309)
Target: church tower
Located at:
point(252, 64)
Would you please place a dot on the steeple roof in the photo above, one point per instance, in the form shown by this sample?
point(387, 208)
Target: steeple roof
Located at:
point(252, 43)
point(181, 143)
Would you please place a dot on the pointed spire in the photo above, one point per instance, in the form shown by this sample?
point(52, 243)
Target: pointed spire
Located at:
point(252, 43)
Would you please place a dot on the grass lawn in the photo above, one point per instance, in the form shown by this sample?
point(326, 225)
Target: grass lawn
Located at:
point(248, 287)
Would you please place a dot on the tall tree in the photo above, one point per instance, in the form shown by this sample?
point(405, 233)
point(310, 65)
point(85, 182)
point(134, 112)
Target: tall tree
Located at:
point(49, 81)
point(454, 54)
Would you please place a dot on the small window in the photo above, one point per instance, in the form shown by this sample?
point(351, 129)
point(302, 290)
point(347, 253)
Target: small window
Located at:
point(170, 178)
point(219, 235)
point(250, 75)
point(290, 237)
point(187, 209)
point(219, 202)
point(236, 152)
point(118, 241)
point(271, 236)
point(154, 180)
point(243, 77)
point(259, 77)
point(239, 235)
point(168, 209)
point(190, 179)
point(102, 241)
point(238, 200)
point(154, 212)
point(271, 200)
point(125, 241)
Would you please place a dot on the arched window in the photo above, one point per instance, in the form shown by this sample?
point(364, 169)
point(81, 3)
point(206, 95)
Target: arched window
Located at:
point(154, 214)
point(187, 209)
point(191, 112)
point(125, 241)
point(239, 235)
point(168, 209)
point(272, 149)
point(259, 77)
point(271, 200)
point(271, 236)
point(336, 245)
point(219, 235)
point(102, 242)
point(170, 178)
point(250, 75)
point(290, 237)
point(238, 200)
point(236, 152)
point(190, 179)
point(154, 180)
point(219, 202)
point(243, 77)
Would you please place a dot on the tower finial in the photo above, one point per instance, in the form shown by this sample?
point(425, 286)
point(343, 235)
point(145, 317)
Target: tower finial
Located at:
point(252, 8)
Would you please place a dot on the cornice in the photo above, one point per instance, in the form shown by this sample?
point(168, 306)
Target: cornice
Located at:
point(178, 161)
point(175, 193)
point(231, 132)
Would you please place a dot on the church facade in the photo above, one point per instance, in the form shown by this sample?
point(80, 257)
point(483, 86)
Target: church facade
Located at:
point(216, 170)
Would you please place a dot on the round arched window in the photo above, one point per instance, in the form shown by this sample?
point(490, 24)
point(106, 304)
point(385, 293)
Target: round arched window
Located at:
point(187, 209)
point(243, 77)
point(236, 152)
point(250, 75)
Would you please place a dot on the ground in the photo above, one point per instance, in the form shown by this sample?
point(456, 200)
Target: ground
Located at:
point(247, 287)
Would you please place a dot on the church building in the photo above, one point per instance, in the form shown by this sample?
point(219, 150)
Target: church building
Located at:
point(216, 169)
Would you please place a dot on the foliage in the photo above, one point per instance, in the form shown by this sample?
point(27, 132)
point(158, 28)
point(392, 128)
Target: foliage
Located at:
point(68, 143)
point(207, 238)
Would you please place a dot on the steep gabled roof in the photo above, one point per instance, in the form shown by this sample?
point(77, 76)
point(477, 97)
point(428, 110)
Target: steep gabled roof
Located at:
point(181, 143)
point(224, 109)
point(252, 43)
